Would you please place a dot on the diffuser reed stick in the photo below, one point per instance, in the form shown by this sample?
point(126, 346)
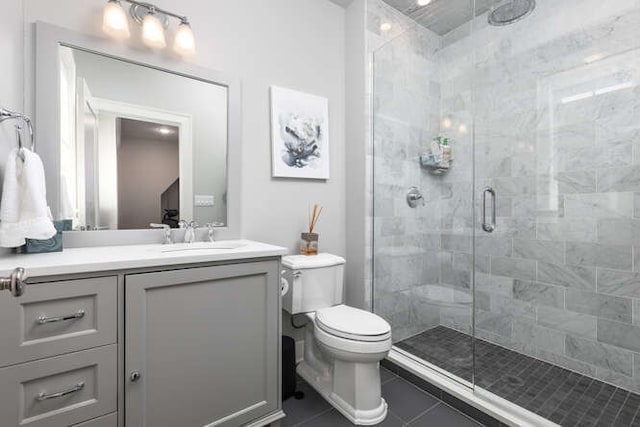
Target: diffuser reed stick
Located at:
point(310, 239)
point(313, 217)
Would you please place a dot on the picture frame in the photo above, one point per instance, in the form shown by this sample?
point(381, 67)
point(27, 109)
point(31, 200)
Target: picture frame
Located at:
point(299, 135)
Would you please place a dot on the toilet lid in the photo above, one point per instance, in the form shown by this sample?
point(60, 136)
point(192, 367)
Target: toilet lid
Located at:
point(352, 323)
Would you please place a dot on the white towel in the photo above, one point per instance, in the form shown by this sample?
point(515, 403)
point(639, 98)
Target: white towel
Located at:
point(24, 213)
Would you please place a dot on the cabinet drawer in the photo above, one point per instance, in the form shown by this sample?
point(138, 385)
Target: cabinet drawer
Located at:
point(110, 420)
point(60, 391)
point(58, 317)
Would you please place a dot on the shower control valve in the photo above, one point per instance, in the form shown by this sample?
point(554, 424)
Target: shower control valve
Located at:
point(415, 197)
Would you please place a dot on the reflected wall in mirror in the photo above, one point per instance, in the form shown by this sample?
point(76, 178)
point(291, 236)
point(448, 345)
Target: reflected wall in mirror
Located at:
point(139, 145)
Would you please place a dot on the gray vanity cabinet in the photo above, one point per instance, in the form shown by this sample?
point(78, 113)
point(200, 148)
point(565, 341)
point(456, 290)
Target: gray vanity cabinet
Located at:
point(202, 346)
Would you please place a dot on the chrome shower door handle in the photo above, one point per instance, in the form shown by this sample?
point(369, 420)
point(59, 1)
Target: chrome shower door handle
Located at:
point(488, 227)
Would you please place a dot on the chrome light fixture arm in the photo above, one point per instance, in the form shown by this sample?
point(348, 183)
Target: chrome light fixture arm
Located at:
point(154, 9)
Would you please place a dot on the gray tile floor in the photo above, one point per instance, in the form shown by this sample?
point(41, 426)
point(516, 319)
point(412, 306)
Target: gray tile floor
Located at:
point(408, 406)
point(565, 397)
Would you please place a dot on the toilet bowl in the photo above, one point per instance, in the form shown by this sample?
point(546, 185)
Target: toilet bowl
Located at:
point(343, 345)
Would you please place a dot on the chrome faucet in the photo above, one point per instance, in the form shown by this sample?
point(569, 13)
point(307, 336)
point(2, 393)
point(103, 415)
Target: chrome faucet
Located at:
point(211, 226)
point(210, 232)
point(167, 232)
point(189, 230)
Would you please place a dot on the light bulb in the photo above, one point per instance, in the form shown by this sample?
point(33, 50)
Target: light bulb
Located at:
point(114, 20)
point(153, 32)
point(184, 42)
point(385, 26)
point(423, 2)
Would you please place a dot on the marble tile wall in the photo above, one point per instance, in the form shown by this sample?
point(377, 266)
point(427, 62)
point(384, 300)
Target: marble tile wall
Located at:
point(556, 103)
point(405, 104)
point(551, 107)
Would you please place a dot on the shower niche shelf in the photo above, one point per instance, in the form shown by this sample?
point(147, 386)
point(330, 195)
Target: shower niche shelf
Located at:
point(438, 158)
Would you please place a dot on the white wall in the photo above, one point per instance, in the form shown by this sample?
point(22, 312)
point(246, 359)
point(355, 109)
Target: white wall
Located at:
point(291, 43)
point(358, 205)
point(11, 70)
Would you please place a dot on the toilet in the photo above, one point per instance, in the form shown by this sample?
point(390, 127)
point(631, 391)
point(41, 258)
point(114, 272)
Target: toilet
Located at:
point(343, 345)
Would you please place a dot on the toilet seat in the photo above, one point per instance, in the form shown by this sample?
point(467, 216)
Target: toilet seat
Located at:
point(353, 350)
point(352, 324)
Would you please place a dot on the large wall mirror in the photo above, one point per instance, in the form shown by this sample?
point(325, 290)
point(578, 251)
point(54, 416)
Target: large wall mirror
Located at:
point(140, 139)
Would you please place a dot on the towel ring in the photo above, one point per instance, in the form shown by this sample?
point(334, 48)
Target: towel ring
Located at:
point(8, 115)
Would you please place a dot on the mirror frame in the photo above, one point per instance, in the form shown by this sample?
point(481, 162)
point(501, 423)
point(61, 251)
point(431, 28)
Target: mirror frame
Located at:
point(47, 120)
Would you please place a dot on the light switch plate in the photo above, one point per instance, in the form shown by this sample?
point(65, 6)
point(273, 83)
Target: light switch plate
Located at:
point(205, 200)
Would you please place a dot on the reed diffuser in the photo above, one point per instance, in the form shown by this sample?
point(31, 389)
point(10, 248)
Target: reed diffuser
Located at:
point(309, 240)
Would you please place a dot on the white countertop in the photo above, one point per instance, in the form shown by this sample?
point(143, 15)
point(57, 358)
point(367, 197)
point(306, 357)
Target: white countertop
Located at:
point(109, 258)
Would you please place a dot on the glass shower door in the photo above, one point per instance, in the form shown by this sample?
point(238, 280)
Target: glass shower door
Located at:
point(423, 211)
point(557, 127)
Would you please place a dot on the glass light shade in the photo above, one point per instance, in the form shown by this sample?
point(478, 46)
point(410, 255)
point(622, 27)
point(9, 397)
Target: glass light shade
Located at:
point(114, 20)
point(153, 32)
point(184, 42)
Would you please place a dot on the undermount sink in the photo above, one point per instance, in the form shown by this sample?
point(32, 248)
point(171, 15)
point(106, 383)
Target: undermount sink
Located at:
point(202, 246)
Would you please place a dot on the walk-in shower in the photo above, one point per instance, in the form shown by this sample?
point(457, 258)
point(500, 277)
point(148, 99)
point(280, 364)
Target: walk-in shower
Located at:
point(519, 275)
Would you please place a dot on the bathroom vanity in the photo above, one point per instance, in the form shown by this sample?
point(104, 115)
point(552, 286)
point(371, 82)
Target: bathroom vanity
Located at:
point(143, 335)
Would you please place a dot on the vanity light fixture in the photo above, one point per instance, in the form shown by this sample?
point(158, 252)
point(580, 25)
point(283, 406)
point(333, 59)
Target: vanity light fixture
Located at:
point(114, 21)
point(154, 21)
point(184, 42)
point(153, 31)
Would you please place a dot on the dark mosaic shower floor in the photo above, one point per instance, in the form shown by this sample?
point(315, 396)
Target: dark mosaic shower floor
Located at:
point(562, 396)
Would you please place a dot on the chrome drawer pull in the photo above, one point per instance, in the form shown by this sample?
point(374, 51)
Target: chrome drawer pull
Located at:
point(77, 315)
point(44, 396)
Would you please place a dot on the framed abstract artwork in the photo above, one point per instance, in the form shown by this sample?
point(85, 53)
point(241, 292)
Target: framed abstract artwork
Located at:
point(299, 134)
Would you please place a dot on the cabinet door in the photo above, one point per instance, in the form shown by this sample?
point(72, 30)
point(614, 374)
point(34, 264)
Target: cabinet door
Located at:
point(205, 342)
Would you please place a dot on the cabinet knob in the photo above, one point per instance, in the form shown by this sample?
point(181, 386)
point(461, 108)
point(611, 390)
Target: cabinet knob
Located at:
point(15, 282)
point(135, 376)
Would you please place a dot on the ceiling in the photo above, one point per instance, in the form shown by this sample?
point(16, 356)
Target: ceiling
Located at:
point(442, 16)
point(136, 129)
point(343, 3)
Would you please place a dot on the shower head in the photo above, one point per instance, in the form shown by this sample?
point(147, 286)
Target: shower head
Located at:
point(511, 11)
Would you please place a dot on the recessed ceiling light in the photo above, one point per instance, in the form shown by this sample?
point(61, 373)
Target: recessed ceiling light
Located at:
point(423, 2)
point(164, 131)
point(385, 26)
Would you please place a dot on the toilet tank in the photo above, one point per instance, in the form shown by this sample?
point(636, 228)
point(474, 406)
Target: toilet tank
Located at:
point(315, 282)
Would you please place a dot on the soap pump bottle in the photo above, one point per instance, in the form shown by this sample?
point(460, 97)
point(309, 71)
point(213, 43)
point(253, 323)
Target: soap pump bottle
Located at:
point(446, 152)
